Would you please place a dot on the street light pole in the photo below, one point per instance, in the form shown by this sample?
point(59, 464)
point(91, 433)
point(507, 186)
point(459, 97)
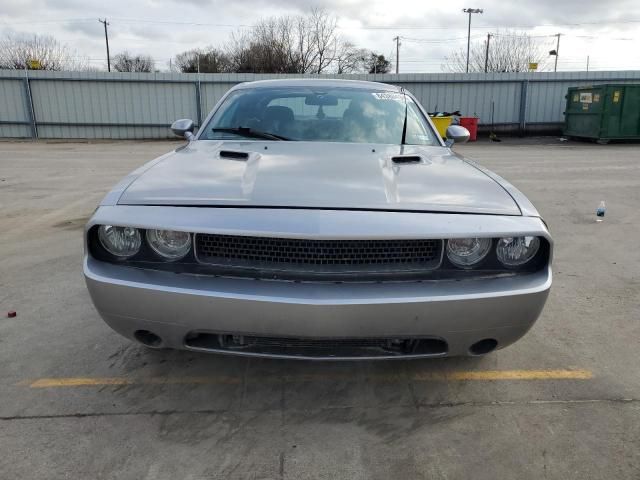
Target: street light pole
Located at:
point(470, 11)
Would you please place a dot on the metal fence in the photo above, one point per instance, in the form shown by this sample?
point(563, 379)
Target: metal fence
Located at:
point(142, 105)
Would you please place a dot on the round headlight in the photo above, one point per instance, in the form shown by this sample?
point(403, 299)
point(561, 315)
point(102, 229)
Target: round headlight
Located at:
point(466, 252)
point(121, 242)
point(169, 244)
point(516, 251)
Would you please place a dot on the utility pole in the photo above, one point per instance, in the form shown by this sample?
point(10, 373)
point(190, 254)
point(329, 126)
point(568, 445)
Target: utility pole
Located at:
point(106, 38)
point(486, 54)
point(470, 11)
point(587, 63)
point(397, 40)
point(555, 66)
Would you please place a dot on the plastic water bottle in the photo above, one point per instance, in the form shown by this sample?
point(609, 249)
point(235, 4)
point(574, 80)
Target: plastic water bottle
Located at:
point(600, 211)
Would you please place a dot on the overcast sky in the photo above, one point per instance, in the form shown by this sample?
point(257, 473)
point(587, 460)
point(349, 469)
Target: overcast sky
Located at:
point(609, 32)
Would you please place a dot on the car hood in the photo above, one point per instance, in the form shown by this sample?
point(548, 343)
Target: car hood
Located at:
point(318, 175)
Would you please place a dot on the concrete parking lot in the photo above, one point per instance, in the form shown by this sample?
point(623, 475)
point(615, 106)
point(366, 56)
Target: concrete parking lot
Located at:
point(78, 401)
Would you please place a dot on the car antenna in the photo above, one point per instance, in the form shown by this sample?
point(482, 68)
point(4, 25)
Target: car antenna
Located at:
point(404, 126)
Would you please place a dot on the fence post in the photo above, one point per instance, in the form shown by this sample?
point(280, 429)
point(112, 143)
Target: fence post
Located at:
point(30, 110)
point(522, 117)
point(198, 104)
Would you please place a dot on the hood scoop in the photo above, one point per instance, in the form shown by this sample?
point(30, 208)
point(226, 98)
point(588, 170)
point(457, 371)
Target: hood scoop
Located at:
point(404, 159)
point(233, 155)
point(331, 176)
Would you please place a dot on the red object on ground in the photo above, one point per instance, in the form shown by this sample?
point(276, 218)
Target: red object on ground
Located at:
point(11, 314)
point(471, 124)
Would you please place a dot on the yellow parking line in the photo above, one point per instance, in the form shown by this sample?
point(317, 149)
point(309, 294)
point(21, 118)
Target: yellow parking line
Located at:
point(78, 382)
point(92, 382)
point(455, 376)
point(505, 375)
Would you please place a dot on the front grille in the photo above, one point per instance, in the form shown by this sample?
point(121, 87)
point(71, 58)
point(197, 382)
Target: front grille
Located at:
point(284, 257)
point(316, 347)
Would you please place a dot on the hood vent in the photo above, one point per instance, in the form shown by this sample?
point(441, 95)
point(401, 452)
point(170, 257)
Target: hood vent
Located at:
point(406, 159)
point(234, 155)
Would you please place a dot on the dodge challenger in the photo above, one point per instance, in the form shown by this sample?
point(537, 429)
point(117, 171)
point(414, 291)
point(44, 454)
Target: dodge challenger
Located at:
point(318, 219)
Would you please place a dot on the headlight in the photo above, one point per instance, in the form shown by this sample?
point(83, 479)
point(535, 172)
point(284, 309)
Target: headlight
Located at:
point(466, 252)
point(169, 244)
point(121, 242)
point(516, 251)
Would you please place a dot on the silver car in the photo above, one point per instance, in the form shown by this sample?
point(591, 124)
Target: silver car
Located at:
point(318, 219)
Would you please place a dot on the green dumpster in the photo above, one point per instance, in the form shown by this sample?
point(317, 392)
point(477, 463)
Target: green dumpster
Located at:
point(603, 112)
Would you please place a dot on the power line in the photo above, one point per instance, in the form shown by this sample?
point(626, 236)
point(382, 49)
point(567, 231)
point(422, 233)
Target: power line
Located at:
point(600, 38)
point(507, 35)
point(362, 27)
point(43, 22)
point(577, 24)
point(125, 20)
point(438, 40)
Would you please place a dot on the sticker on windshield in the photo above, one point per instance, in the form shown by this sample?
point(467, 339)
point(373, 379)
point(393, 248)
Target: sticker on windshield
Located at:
point(388, 96)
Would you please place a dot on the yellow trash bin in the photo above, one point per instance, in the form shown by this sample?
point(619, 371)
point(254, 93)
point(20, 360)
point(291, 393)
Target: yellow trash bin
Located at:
point(441, 124)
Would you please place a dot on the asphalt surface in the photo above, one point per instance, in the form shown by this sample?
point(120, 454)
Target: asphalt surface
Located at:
point(78, 401)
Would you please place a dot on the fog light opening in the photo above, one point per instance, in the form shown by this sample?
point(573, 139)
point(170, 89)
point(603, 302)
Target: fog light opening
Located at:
point(484, 346)
point(148, 338)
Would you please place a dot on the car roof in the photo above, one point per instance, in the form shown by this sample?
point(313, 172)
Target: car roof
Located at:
point(319, 82)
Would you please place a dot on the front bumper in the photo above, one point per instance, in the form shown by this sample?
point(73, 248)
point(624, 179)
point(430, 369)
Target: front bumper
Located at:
point(174, 305)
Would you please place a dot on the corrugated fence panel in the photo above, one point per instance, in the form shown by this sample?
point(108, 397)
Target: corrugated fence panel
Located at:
point(14, 109)
point(472, 99)
point(70, 108)
point(211, 93)
point(546, 100)
point(139, 105)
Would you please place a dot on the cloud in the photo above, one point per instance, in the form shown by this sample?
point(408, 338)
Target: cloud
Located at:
point(90, 28)
point(163, 28)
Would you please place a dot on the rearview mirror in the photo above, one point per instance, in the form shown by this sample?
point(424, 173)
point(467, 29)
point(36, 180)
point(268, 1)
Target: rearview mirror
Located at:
point(456, 134)
point(183, 128)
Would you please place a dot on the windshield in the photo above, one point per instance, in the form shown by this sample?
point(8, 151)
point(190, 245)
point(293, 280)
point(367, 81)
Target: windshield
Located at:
point(320, 115)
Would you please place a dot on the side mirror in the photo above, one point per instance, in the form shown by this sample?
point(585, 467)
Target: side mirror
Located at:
point(456, 134)
point(183, 128)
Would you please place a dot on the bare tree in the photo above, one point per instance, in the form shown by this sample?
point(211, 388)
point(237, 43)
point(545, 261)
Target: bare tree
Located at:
point(273, 46)
point(289, 44)
point(125, 62)
point(508, 52)
point(325, 39)
point(208, 60)
point(237, 50)
point(349, 58)
point(263, 51)
point(38, 52)
point(306, 52)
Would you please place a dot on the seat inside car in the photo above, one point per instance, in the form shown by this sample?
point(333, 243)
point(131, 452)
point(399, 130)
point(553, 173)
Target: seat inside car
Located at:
point(357, 126)
point(278, 119)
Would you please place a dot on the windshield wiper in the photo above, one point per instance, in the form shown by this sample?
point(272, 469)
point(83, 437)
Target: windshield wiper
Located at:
point(250, 133)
